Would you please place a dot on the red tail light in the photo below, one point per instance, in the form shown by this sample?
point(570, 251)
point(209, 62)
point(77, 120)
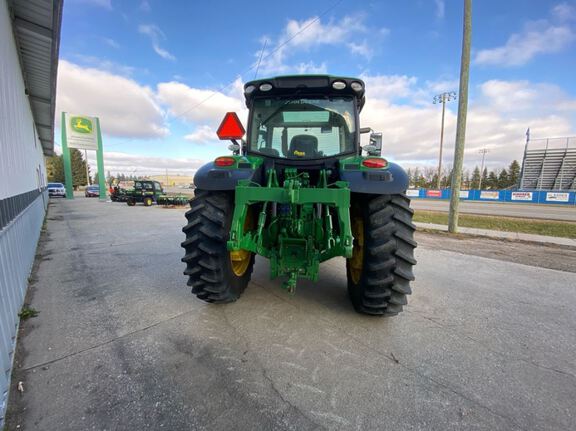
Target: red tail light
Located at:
point(224, 161)
point(375, 163)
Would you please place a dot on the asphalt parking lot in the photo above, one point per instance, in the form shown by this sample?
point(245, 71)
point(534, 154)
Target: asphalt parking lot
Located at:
point(121, 344)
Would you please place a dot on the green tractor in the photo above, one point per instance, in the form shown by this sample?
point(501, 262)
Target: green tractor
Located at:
point(298, 191)
point(144, 191)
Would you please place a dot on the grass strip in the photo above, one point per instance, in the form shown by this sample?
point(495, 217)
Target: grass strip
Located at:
point(505, 224)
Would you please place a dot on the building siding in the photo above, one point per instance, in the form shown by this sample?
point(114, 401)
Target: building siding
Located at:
point(22, 172)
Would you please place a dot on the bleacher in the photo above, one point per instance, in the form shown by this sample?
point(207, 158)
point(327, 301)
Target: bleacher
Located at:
point(549, 164)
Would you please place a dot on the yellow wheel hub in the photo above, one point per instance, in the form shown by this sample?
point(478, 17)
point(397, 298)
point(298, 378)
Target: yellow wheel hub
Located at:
point(240, 259)
point(357, 259)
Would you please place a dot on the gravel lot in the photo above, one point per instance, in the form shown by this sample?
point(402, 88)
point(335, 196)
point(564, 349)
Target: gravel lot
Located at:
point(486, 343)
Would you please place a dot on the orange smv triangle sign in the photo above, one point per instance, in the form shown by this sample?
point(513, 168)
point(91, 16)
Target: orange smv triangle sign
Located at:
point(231, 127)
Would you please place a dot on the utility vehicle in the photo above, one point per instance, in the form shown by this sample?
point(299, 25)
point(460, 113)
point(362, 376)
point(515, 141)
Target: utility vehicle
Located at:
point(144, 191)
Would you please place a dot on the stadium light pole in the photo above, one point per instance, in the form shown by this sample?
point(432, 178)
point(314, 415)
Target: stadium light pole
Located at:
point(442, 98)
point(483, 151)
point(461, 124)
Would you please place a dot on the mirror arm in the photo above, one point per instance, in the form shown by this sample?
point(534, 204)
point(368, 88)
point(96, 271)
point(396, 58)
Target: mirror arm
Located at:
point(235, 147)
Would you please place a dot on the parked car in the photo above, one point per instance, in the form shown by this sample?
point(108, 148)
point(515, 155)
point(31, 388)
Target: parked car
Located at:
point(92, 191)
point(56, 189)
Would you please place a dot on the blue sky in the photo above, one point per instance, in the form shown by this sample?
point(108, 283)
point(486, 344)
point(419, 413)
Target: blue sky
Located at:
point(145, 68)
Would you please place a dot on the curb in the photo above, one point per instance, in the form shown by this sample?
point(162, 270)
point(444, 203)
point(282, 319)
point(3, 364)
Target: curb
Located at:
point(515, 236)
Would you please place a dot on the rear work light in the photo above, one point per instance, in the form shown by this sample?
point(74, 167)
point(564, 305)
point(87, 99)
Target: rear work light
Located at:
point(224, 161)
point(375, 163)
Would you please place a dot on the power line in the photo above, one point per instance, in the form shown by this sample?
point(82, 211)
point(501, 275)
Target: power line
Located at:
point(286, 42)
point(260, 59)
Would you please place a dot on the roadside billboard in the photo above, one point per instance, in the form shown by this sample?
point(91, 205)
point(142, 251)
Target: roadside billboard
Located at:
point(433, 193)
point(464, 194)
point(521, 196)
point(413, 193)
point(557, 197)
point(487, 194)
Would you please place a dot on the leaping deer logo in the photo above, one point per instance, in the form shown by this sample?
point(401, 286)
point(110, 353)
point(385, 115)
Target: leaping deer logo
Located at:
point(81, 125)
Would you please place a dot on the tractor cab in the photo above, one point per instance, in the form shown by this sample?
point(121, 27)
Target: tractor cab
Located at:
point(306, 118)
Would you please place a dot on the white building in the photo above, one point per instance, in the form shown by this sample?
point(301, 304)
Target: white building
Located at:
point(29, 42)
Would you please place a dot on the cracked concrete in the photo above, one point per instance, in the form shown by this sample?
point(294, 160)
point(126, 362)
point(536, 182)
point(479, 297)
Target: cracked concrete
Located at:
point(121, 344)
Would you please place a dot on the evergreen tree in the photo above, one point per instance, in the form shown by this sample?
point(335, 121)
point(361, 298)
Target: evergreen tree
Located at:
point(96, 179)
point(503, 181)
point(55, 169)
point(492, 182)
point(466, 179)
point(485, 178)
point(475, 182)
point(514, 174)
point(78, 168)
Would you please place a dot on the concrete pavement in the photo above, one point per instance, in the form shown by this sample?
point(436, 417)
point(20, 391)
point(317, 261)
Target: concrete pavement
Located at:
point(120, 343)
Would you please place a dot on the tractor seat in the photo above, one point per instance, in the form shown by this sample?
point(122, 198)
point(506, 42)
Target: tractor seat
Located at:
point(303, 147)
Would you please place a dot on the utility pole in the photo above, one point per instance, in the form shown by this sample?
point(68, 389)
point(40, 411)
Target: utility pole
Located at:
point(461, 125)
point(483, 151)
point(87, 169)
point(442, 98)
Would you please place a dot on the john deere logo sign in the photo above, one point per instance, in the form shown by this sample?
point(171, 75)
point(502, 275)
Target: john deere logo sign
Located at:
point(81, 131)
point(81, 125)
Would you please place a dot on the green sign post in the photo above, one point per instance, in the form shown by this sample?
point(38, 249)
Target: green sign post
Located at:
point(82, 132)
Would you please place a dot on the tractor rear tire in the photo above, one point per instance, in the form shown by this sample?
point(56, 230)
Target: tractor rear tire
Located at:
point(209, 265)
point(131, 202)
point(380, 270)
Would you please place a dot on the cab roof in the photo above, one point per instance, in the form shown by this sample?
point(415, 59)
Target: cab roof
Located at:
point(291, 85)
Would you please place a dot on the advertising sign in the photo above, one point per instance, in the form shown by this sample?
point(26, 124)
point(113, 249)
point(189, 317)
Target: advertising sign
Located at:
point(557, 197)
point(413, 193)
point(81, 132)
point(464, 194)
point(434, 193)
point(521, 196)
point(489, 195)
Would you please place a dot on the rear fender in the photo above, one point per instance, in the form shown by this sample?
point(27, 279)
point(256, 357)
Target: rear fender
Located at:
point(390, 180)
point(210, 177)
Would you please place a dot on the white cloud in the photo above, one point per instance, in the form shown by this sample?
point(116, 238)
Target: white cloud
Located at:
point(537, 37)
point(362, 49)
point(202, 134)
point(156, 35)
point(125, 107)
point(111, 42)
point(397, 105)
point(497, 120)
point(306, 35)
point(440, 8)
point(388, 87)
point(201, 106)
point(564, 12)
point(119, 162)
